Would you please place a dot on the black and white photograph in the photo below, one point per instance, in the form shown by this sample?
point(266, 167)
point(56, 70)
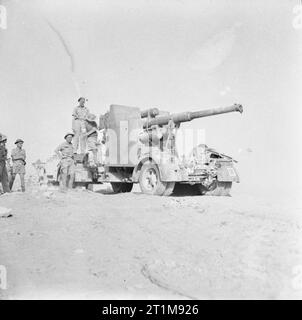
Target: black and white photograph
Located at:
point(150, 150)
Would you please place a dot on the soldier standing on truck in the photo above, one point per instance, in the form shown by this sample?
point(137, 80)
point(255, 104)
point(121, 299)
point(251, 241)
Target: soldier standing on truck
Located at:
point(92, 136)
point(18, 158)
point(3, 169)
point(78, 125)
point(65, 152)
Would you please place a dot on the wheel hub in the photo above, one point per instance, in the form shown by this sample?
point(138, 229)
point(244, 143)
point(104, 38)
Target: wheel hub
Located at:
point(150, 180)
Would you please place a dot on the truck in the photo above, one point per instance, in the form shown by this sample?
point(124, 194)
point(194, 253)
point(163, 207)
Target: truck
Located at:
point(140, 147)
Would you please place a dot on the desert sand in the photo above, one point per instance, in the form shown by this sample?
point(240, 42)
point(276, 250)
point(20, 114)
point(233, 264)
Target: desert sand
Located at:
point(99, 245)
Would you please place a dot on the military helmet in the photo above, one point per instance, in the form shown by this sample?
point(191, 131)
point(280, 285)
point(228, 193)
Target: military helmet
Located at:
point(68, 134)
point(3, 137)
point(19, 140)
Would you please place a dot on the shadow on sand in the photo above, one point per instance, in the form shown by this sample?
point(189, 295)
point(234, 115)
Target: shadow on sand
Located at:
point(180, 190)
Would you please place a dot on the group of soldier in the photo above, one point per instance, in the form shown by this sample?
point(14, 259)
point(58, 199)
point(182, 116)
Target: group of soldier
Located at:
point(9, 172)
point(84, 136)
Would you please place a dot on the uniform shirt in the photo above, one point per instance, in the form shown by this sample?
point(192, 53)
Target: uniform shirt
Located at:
point(80, 113)
point(18, 155)
point(89, 126)
point(3, 153)
point(65, 150)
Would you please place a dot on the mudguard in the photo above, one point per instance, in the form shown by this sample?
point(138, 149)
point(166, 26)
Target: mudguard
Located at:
point(227, 172)
point(168, 172)
point(171, 172)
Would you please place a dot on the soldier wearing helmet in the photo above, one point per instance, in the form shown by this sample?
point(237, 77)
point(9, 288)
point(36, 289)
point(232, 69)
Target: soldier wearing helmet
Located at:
point(3, 169)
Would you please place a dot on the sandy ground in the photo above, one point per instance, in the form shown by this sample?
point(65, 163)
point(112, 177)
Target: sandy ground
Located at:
point(99, 245)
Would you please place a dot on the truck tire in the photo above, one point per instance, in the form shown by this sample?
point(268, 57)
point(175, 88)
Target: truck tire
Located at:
point(218, 188)
point(121, 187)
point(150, 183)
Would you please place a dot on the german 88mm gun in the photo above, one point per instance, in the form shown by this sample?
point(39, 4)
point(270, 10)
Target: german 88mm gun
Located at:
point(141, 148)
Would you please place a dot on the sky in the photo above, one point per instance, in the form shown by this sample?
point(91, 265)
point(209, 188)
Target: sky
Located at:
point(172, 54)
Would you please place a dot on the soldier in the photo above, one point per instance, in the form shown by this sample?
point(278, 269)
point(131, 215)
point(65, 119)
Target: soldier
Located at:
point(9, 168)
point(92, 136)
point(65, 152)
point(18, 158)
point(3, 170)
point(78, 125)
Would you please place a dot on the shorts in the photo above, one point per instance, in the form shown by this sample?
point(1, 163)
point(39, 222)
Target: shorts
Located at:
point(18, 168)
point(67, 166)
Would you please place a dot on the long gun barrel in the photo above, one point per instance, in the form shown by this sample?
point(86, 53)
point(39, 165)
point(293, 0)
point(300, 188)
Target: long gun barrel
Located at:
point(188, 116)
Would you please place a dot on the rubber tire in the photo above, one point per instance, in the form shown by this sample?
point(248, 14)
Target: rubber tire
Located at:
point(221, 188)
point(121, 187)
point(161, 186)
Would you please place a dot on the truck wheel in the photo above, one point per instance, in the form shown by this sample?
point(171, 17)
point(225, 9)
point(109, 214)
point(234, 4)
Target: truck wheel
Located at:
point(150, 183)
point(121, 187)
point(218, 188)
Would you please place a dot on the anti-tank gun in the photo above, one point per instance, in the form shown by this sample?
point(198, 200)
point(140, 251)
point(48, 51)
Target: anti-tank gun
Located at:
point(157, 127)
point(212, 172)
point(140, 147)
point(189, 116)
